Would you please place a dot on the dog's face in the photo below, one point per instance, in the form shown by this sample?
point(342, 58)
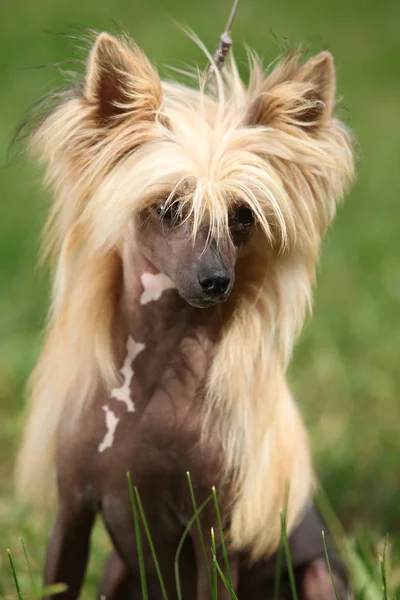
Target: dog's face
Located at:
point(201, 173)
point(201, 267)
point(269, 157)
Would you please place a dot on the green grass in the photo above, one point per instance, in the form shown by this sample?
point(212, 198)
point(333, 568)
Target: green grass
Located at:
point(372, 584)
point(346, 370)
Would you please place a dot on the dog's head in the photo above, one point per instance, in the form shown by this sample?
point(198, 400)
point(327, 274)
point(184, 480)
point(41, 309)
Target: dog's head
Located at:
point(209, 177)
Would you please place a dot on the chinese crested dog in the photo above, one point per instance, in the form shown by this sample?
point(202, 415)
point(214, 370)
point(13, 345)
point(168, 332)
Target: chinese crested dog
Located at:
point(185, 231)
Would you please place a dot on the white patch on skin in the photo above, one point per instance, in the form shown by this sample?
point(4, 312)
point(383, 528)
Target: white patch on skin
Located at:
point(123, 393)
point(111, 424)
point(154, 286)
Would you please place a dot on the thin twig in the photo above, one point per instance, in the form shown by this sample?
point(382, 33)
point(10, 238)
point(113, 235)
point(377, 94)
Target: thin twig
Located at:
point(232, 15)
point(225, 41)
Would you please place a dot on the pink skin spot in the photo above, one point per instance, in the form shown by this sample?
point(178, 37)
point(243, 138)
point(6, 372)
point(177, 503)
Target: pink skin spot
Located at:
point(111, 424)
point(154, 286)
point(123, 393)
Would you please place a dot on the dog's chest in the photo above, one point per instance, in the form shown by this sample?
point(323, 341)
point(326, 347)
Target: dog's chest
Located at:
point(151, 426)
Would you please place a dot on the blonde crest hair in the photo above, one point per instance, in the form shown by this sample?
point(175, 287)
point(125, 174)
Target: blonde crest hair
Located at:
point(122, 139)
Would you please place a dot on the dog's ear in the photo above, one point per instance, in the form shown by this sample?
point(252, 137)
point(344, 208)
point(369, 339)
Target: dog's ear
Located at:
point(121, 82)
point(301, 96)
point(319, 74)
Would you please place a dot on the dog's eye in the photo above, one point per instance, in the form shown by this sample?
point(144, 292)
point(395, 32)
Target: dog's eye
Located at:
point(240, 224)
point(172, 212)
point(244, 215)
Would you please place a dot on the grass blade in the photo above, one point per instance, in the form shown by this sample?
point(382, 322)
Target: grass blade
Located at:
point(226, 582)
point(285, 543)
point(365, 547)
point(180, 546)
point(139, 546)
point(152, 549)
point(221, 531)
point(200, 532)
point(278, 571)
point(28, 563)
point(362, 594)
point(329, 516)
point(215, 572)
point(53, 590)
point(328, 562)
point(384, 571)
point(16, 582)
point(218, 570)
point(363, 580)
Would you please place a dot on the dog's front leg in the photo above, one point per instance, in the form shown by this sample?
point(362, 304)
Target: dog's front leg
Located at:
point(117, 580)
point(68, 549)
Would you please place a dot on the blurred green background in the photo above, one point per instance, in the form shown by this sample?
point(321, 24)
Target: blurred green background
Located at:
point(346, 368)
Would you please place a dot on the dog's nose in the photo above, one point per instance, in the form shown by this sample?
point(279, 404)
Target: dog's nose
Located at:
point(214, 285)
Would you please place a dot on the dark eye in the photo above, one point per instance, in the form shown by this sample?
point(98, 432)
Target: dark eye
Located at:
point(244, 215)
point(171, 212)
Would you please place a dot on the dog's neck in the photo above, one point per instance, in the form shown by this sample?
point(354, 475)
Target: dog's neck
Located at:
point(150, 305)
point(161, 323)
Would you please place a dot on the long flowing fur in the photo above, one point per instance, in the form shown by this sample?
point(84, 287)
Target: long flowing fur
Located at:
point(272, 144)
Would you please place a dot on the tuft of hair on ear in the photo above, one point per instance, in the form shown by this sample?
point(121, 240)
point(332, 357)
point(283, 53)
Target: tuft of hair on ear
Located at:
point(301, 96)
point(121, 82)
